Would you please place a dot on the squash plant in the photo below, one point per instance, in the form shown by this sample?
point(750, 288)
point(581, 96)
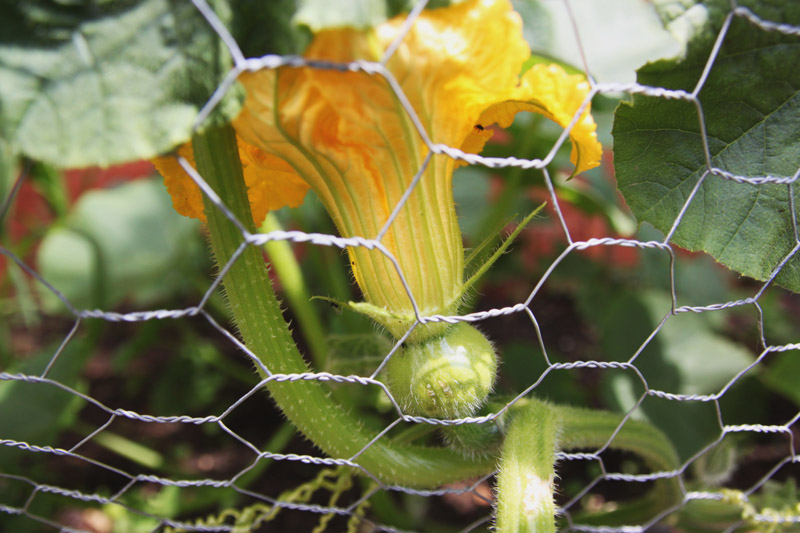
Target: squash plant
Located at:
point(366, 118)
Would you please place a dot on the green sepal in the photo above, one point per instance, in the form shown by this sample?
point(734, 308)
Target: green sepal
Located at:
point(389, 320)
point(378, 314)
point(477, 253)
point(499, 252)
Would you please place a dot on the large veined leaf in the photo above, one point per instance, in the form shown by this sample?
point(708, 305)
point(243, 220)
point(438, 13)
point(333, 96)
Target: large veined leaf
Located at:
point(751, 105)
point(84, 83)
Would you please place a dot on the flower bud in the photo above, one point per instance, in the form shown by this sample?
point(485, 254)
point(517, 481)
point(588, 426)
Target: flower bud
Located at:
point(448, 376)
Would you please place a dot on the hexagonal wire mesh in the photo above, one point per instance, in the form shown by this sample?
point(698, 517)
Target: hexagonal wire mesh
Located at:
point(127, 478)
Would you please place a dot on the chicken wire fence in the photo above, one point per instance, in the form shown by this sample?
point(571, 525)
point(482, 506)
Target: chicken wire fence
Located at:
point(781, 435)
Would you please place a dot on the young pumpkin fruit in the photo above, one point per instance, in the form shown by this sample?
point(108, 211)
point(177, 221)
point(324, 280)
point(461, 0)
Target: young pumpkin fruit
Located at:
point(447, 376)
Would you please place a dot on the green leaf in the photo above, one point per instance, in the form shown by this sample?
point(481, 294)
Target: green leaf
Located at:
point(500, 251)
point(751, 105)
point(37, 412)
point(471, 187)
point(783, 375)
point(536, 59)
point(319, 15)
point(537, 24)
point(686, 357)
point(120, 243)
point(358, 354)
point(688, 20)
point(702, 360)
point(85, 84)
point(590, 200)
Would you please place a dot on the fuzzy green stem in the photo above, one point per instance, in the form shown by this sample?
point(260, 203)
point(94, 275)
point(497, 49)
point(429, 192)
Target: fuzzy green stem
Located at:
point(525, 483)
point(530, 428)
point(288, 269)
point(258, 317)
point(590, 430)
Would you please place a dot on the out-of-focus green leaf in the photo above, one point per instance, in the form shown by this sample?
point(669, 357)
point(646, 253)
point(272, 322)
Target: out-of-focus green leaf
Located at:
point(523, 364)
point(590, 201)
point(165, 502)
point(783, 375)
point(98, 83)
point(359, 354)
point(536, 59)
point(780, 317)
point(703, 359)
point(323, 14)
point(188, 384)
point(267, 27)
point(686, 357)
point(120, 243)
point(88, 83)
point(716, 466)
point(36, 413)
point(470, 190)
point(71, 262)
point(780, 495)
point(751, 104)
point(699, 280)
point(688, 21)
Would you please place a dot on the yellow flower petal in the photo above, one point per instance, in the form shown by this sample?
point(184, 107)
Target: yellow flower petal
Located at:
point(187, 199)
point(271, 182)
point(347, 135)
point(457, 61)
point(460, 69)
point(549, 91)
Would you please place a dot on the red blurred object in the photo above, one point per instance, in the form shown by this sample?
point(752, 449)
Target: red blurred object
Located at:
point(543, 242)
point(29, 214)
point(83, 179)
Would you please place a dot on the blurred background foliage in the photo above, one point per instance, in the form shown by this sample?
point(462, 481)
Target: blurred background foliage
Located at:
point(109, 239)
